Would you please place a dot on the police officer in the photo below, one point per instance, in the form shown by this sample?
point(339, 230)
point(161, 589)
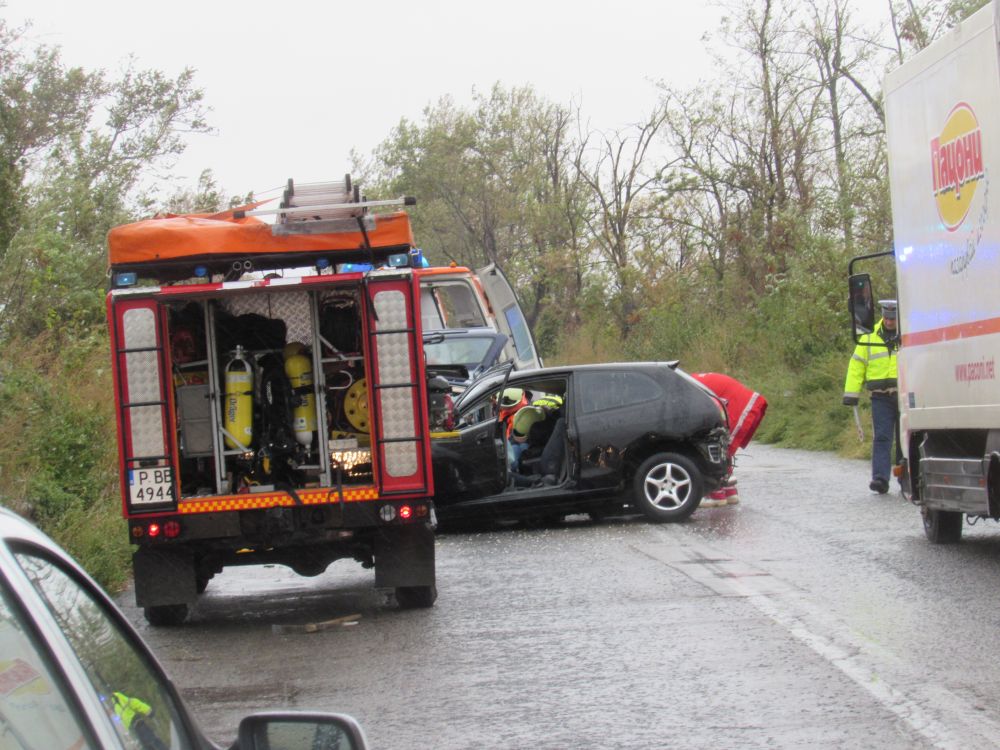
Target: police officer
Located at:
point(873, 365)
point(136, 716)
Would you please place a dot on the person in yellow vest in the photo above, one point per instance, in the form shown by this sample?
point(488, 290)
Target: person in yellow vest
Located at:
point(550, 403)
point(135, 715)
point(518, 443)
point(873, 366)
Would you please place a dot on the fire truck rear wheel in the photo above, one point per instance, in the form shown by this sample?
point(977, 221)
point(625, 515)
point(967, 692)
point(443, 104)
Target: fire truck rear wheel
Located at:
point(416, 597)
point(166, 615)
point(942, 526)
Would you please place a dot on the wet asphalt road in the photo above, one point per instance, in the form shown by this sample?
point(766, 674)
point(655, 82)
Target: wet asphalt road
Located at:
point(813, 614)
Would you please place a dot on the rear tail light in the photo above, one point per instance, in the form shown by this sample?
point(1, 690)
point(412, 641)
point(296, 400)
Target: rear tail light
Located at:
point(389, 513)
point(155, 530)
point(449, 413)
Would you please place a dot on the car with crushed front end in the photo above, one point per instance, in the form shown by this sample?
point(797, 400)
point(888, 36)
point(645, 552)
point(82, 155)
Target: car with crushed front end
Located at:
point(607, 438)
point(74, 674)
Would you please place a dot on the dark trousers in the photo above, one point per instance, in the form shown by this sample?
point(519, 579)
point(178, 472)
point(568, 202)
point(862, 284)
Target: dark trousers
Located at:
point(885, 425)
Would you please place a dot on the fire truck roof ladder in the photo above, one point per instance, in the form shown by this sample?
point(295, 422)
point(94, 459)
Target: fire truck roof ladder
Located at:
point(323, 207)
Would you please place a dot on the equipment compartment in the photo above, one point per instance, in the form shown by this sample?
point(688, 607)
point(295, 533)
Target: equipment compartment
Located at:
point(270, 390)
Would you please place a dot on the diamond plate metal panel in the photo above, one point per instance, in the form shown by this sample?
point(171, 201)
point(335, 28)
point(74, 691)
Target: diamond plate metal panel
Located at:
point(291, 307)
point(142, 377)
point(395, 366)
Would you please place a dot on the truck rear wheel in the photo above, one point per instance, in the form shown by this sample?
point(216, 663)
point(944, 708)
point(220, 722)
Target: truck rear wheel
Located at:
point(166, 615)
point(416, 597)
point(942, 526)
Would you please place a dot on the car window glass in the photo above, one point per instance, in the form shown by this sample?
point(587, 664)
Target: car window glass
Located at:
point(34, 711)
point(469, 352)
point(519, 330)
point(136, 698)
point(430, 316)
point(458, 306)
point(613, 390)
point(482, 411)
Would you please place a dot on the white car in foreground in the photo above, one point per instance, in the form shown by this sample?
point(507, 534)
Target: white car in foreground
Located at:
point(74, 674)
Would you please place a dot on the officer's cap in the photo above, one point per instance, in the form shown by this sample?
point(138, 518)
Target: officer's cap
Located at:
point(888, 307)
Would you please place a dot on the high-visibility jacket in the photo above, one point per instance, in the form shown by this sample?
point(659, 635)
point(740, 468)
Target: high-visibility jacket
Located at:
point(873, 366)
point(550, 403)
point(130, 709)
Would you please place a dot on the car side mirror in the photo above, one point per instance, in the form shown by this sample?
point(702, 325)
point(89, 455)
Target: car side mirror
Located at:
point(300, 731)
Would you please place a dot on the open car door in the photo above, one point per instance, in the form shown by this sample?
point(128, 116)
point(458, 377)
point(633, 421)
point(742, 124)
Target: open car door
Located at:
point(510, 320)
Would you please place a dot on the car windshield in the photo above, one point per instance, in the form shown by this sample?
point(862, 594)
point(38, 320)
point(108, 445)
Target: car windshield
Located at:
point(466, 350)
point(489, 380)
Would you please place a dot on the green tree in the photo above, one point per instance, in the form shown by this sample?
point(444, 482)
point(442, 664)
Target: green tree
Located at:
point(78, 179)
point(76, 151)
point(495, 184)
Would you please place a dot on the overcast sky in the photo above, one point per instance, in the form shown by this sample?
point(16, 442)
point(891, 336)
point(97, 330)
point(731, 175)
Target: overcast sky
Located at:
point(294, 86)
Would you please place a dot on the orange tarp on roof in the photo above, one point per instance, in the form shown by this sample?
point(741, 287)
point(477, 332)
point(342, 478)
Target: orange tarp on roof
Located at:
point(206, 235)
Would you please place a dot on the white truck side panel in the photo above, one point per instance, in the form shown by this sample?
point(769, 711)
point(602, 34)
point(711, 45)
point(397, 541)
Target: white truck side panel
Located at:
point(943, 126)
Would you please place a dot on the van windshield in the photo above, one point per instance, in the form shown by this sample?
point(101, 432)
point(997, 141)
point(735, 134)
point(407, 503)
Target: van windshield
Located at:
point(449, 305)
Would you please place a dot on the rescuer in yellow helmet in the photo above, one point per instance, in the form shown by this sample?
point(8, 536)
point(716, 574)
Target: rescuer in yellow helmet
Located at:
point(520, 427)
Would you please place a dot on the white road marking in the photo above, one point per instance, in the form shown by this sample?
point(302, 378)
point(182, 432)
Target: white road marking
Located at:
point(944, 719)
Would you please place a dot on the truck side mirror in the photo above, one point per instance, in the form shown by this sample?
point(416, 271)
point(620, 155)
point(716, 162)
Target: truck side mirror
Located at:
point(861, 303)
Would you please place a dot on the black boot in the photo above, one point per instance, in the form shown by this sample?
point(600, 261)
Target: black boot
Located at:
point(881, 486)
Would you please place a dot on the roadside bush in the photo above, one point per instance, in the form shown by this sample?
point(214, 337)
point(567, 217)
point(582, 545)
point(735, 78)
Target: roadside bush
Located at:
point(58, 465)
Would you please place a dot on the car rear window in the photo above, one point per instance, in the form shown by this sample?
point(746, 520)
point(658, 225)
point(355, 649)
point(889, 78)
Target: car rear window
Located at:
point(601, 390)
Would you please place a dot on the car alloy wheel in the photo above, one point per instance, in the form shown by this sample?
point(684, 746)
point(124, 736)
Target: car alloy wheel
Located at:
point(667, 487)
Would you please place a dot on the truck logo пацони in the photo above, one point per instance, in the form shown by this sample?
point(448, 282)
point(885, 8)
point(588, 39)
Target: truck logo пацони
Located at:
point(957, 165)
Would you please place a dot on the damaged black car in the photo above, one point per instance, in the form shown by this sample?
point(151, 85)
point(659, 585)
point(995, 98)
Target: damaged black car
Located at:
point(597, 439)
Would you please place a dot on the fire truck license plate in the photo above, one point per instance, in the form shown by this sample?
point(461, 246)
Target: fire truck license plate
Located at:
point(153, 485)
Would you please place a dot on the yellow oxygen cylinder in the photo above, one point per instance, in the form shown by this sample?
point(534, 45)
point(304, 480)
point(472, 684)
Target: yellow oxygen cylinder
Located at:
point(237, 418)
point(298, 368)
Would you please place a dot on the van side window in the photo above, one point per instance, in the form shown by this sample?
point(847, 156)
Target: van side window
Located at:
point(599, 391)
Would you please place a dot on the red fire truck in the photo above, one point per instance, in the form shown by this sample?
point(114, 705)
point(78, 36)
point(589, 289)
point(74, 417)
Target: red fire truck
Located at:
point(271, 409)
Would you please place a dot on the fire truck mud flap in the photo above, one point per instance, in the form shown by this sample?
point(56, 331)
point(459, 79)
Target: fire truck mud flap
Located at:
point(404, 557)
point(164, 577)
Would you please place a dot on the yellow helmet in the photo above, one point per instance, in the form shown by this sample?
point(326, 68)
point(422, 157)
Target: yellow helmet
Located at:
point(511, 397)
point(523, 420)
point(550, 402)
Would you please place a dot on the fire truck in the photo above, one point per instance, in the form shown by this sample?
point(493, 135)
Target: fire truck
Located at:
point(943, 129)
point(271, 407)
